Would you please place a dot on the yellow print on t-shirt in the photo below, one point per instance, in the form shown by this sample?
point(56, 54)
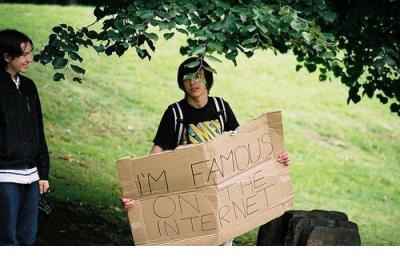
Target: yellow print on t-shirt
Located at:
point(203, 131)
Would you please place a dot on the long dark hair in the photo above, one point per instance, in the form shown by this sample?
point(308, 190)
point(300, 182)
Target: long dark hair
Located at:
point(10, 43)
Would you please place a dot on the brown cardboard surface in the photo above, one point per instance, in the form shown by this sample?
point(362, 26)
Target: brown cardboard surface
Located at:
point(206, 194)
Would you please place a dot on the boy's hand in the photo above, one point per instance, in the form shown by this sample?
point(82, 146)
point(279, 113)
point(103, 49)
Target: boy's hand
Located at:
point(126, 203)
point(284, 158)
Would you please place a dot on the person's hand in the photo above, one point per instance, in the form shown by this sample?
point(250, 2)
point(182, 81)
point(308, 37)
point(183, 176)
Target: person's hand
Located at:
point(43, 186)
point(126, 203)
point(284, 158)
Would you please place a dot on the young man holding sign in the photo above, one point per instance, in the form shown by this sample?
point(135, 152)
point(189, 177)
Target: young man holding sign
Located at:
point(196, 118)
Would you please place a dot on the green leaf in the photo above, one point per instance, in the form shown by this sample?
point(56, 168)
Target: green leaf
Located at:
point(329, 36)
point(182, 31)
point(218, 26)
point(212, 58)
point(249, 53)
point(37, 57)
point(318, 47)
point(311, 67)
point(57, 29)
point(243, 17)
point(168, 36)
point(201, 37)
point(382, 98)
point(232, 44)
point(145, 14)
point(58, 76)
point(92, 34)
point(329, 16)
point(231, 21)
point(139, 27)
point(299, 25)
point(320, 4)
point(162, 26)
point(380, 62)
point(307, 37)
point(356, 98)
point(198, 50)
point(284, 10)
point(127, 32)
point(66, 47)
point(141, 52)
point(210, 69)
point(191, 7)
point(262, 27)
point(172, 14)
point(171, 25)
point(188, 76)
point(78, 69)
point(77, 79)
point(182, 21)
point(221, 37)
point(394, 107)
point(249, 41)
point(231, 56)
point(119, 24)
point(192, 64)
point(59, 63)
point(322, 77)
point(328, 55)
point(75, 56)
point(152, 36)
point(113, 35)
point(120, 49)
point(390, 60)
point(98, 12)
point(99, 48)
point(249, 28)
point(308, 2)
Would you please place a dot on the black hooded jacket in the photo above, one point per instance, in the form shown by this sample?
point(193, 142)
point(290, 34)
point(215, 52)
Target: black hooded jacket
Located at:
point(22, 140)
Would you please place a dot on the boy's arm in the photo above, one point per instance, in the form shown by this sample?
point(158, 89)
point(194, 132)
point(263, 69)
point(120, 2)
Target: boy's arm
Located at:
point(156, 149)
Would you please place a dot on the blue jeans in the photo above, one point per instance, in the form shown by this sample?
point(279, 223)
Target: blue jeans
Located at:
point(18, 213)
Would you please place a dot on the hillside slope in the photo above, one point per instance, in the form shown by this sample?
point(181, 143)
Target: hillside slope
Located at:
point(344, 158)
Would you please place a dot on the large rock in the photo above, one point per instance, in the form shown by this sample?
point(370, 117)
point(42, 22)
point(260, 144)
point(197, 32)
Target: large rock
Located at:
point(309, 228)
point(333, 236)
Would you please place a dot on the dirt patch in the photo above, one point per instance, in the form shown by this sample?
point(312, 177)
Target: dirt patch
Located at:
point(70, 225)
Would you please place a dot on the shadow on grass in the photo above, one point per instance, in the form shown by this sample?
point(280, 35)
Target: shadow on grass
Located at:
point(72, 225)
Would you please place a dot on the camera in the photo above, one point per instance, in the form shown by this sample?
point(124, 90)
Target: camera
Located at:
point(45, 207)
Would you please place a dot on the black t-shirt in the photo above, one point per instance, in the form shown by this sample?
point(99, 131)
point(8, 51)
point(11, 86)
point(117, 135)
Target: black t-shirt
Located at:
point(199, 124)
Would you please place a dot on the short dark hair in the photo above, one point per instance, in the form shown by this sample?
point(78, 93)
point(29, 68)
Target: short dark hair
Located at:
point(184, 70)
point(10, 43)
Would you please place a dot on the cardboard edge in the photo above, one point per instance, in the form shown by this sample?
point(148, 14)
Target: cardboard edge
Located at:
point(275, 126)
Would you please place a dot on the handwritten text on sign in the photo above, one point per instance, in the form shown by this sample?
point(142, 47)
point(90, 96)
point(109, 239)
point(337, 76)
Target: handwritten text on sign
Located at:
point(211, 192)
point(182, 213)
point(223, 165)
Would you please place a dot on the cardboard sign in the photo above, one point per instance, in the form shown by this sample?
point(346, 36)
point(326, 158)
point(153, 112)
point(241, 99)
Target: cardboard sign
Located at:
point(206, 194)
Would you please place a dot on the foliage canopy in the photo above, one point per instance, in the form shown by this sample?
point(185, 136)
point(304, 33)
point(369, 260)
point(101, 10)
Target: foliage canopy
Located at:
point(356, 41)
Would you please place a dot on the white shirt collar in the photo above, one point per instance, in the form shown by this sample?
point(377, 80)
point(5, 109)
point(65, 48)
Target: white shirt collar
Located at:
point(17, 81)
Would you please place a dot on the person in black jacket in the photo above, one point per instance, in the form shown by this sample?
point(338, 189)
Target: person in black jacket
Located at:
point(24, 157)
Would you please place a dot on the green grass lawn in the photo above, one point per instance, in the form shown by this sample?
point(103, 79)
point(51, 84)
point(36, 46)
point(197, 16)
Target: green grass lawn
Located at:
point(344, 157)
